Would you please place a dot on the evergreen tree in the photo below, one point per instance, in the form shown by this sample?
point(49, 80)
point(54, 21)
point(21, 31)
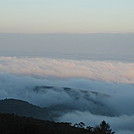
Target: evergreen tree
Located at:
point(103, 128)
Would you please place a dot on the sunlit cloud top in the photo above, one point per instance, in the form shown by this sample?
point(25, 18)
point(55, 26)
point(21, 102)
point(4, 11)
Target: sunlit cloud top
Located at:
point(72, 16)
point(108, 71)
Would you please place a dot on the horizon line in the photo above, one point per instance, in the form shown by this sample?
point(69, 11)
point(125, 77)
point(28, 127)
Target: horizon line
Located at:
point(71, 33)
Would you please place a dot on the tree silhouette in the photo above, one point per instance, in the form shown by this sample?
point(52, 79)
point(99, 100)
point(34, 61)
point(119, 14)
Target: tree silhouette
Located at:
point(13, 124)
point(103, 128)
point(79, 125)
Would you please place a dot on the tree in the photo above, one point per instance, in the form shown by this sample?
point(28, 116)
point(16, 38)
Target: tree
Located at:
point(103, 128)
point(79, 125)
point(89, 128)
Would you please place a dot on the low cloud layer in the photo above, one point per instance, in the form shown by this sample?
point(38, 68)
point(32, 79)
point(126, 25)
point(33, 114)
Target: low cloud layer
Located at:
point(113, 103)
point(121, 124)
point(107, 86)
point(110, 71)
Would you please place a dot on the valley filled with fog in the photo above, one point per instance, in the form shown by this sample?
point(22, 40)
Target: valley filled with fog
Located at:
point(79, 90)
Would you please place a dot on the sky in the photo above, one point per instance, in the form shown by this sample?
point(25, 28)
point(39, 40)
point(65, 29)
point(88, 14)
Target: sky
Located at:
point(99, 29)
point(66, 16)
point(69, 46)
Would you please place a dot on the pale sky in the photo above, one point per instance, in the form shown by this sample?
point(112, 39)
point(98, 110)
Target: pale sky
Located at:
point(66, 16)
point(72, 46)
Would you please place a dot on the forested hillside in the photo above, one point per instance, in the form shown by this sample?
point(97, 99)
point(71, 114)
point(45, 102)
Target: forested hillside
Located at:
point(13, 124)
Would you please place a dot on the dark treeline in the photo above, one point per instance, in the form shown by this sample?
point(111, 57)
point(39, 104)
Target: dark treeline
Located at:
point(13, 124)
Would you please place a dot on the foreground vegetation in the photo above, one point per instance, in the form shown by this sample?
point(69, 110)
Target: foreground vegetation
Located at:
point(13, 124)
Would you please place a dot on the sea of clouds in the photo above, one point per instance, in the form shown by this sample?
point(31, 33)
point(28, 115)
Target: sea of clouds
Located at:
point(19, 75)
point(109, 71)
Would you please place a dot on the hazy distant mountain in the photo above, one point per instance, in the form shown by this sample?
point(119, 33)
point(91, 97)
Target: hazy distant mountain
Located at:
point(79, 100)
point(23, 108)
